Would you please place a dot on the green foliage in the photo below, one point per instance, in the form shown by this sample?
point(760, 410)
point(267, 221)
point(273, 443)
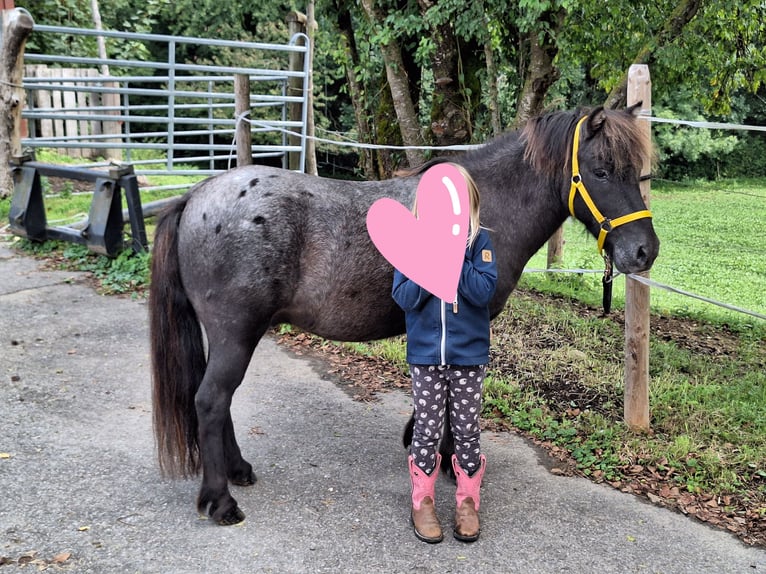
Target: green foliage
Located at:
point(126, 273)
point(719, 56)
point(679, 148)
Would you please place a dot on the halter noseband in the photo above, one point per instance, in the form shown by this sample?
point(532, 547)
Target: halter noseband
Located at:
point(605, 224)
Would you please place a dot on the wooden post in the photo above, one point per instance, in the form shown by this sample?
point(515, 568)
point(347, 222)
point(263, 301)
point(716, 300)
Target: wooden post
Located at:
point(556, 249)
point(296, 23)
point(311, 157)
point(637, 294)
point(17, 25)
point(243, 135)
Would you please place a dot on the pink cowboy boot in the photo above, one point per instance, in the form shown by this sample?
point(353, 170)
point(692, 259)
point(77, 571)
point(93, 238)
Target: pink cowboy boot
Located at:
point(424, 519)
point(467, 496)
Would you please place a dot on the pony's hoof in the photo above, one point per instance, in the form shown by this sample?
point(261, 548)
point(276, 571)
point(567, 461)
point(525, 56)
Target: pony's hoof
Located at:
point(223, 509)
point(244, 480)
point(231, 517)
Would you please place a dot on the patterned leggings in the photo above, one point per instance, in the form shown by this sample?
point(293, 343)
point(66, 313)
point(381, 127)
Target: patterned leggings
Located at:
point(434, 388)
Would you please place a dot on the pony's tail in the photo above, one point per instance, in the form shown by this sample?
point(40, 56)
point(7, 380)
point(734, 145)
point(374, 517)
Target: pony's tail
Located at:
point(178, 354)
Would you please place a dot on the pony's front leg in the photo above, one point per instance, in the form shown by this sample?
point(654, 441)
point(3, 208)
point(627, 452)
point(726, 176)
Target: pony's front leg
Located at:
point(224, 373)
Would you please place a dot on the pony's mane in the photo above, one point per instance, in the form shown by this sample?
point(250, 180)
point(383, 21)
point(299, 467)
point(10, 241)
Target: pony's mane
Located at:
point(615, 134)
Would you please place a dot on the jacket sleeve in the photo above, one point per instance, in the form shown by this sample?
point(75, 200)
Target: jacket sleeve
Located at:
point(408, 295)
point(478, 278)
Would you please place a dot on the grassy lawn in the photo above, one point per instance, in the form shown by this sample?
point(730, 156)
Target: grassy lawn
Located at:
point(712, 244)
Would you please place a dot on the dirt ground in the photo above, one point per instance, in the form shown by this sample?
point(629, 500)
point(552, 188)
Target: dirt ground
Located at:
point(366, 376)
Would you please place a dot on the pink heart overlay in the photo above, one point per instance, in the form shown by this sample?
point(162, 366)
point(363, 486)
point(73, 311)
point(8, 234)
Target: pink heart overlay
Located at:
point(428, 250)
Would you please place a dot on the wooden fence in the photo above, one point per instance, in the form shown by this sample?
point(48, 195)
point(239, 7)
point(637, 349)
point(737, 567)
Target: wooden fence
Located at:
point(63, 96)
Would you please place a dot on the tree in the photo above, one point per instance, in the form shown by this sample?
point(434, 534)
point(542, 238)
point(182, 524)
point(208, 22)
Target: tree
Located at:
point(16, 29)
point(397, 81)
point(539, 25)
point(671, 29)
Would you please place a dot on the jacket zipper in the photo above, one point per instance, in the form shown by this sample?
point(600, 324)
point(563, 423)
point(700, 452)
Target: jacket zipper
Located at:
point(444, 333)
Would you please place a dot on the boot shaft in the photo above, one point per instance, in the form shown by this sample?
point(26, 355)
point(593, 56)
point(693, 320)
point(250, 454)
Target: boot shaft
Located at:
point(422, 484)
point(468, 486)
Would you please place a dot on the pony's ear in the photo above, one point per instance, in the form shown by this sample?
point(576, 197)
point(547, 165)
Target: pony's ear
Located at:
point(635, 109)
point(596, 120)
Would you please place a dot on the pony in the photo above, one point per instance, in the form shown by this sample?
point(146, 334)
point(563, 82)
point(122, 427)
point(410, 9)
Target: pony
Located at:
point(257, 246)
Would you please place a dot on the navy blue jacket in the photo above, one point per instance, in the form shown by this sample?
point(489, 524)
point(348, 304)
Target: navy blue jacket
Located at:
point(438, 333)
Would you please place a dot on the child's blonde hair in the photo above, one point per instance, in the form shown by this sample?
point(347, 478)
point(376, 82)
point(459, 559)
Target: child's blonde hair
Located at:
point(473, 205)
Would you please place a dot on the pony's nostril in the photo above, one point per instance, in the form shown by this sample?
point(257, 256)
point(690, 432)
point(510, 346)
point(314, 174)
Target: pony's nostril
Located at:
point(641, 255)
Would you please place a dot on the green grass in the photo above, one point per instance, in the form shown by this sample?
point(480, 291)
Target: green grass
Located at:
point(710, 408)
point(128, 273)
point(708, 403)
point(711, 237)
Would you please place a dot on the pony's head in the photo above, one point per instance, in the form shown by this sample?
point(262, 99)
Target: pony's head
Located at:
point(606, 151)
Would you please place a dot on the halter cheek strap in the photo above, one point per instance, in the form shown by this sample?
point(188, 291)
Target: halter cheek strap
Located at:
point(578, 186)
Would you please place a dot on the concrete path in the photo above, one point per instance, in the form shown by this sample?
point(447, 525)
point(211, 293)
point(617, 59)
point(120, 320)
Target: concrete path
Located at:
point(78, 475)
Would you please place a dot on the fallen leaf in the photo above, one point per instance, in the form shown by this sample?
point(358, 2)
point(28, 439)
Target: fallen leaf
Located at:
point(5, 455)
point(83, 528)
point(61, 557)
point(653, 498)
point(26, 558)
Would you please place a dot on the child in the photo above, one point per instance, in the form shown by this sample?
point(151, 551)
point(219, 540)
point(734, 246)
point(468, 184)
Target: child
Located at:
point(448, 350)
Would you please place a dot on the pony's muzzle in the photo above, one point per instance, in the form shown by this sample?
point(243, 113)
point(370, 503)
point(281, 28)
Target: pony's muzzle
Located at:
point(632, 252)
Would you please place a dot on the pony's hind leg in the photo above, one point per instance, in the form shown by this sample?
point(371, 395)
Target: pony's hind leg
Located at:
point(238, 470)
point(219, 453)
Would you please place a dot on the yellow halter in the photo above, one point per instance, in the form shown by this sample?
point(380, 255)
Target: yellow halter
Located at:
point(578, 186)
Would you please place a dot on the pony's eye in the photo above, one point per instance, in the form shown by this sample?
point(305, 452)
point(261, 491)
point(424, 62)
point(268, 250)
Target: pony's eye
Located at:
point(601, 173)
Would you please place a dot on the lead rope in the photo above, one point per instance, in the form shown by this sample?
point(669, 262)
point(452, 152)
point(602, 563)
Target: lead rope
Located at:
point(606, 282)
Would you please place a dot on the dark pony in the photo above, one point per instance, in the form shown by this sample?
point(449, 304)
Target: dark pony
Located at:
point(258, 246)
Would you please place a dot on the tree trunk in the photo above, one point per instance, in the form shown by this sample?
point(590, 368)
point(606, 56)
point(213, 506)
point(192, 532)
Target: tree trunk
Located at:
point(492, 92)
point(541, 73)
point(386, 131)
point(674, 25)
point(17, 26)
point(540, 76)
point(400, 90)
point(450, 121)
point(100, 41)
point(355, 90)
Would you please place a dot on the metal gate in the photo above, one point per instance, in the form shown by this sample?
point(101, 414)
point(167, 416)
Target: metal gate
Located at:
point(165, 117)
